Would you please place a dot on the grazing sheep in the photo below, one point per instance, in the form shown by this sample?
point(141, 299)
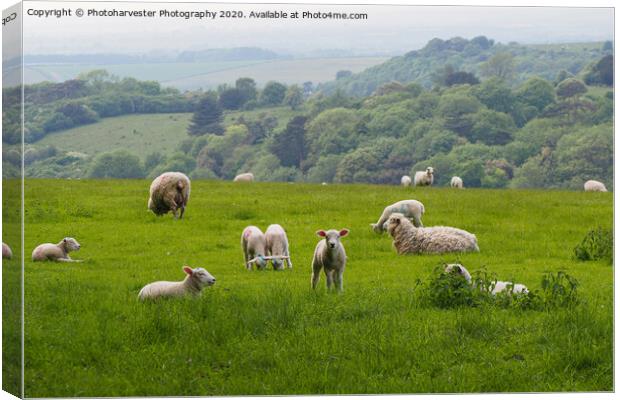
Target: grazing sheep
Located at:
point(594, 186)
point(423, 178)
point(247, 177)
point(56, 252)
point(193, 283)
point(169, 192)
point(6, 251)
point(405, 181)
point(411, 209)
point(499, 286)
point(456, 182)
point(254, 247)
point(434, 240)
point(277, 245)
point(329, 255)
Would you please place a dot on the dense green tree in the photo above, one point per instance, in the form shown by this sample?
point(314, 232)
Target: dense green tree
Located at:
point(247, 87)
point(492, 128)
point(501, 65)
point(333, 132)
point(495, 94)
point(536, 92)
point(290, 145)
point(116, 164)
point(207, 118)
point(458, 112)
point(232, 99)
point(570, 88)
point(294, 97)
point(343, 74)
point(273, 94)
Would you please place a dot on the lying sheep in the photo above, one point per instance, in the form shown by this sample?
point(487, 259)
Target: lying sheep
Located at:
point(499, 286)
point(56, 252)
point(254, 247)
point(411, 209)
point(277, 245)
point(329, 255)
point(423, 178)
point(6, 251)
point(247, 177)
point(193, 283)
point(432, 240)
point(405, 181)
point(456, 182)
point(594, 186)
point(169, 192)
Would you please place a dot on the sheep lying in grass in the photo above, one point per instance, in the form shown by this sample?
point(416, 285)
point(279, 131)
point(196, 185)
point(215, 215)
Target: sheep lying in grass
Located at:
point(411, 209)
point(193, 283)
point(169, 192)
point(330, 256)
point(594, 186)
point(405, 181)
point(247, 177)
point(499, 286)
point(277, 245)
point(432, 240)
point(456, 182)
point(6, 251)
point(56, 252)
point(254, 246)
point(423, 178)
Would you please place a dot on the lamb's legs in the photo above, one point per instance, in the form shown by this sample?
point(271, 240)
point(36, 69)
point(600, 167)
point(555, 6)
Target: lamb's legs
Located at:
point(417, 222)
point(182, 212)
point(316, 271)
point(338, 279)
point(288, 261)
point(329, 276)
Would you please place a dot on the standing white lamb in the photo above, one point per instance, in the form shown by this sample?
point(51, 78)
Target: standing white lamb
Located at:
point(499, 286)
point(594, 186)
point(456, 182)
point(330, 256)
point(56, 252)
point(169, 192)
point(277, 245)
point(6, 251)
point(411, 209)
point(423, 178)
point(193, 283)
point(430, 240)
point(247, 177)
point(254, 246)
point(405, 181)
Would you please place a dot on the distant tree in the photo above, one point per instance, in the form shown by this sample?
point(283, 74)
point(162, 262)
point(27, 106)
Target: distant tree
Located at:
point(207, 118)
point(536, 92)
point(152, 160)
point(482, 42)
point(496, 95)
point(343, 74)
point(501, 65)
point(273, 94)
point(78, 113)
point(289, 145)
point(308, 88)
point(561, 76)
point(492, 128)
point(294, 97)
point(461, 77)
point(570, 88)
point(608, 45)
point(457, 111)
point(116, 164)
point(232, 99)
point(602, 72)
point(247, 87)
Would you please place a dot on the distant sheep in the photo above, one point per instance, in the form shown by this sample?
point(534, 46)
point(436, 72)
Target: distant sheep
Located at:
point(277, 245)
point(432, 240)
point(405, 181)
point(594, 186)
point(330, 256)
point(247, 177)
point(411, 209)
point(499, 286)
point(56, 252)
point(456, 182)
point(193, 284)
point(169, 192)
point(254, 246)
point(6, 251)
point(423, 178)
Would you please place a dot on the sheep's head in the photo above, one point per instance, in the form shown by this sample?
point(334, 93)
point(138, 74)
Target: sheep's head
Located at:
point(429, 171)
point(70, 244)
point(200, 276)
point(278, 263)
point(458, 269)
point(332, 237)
point(395, 220)
point(260, 261)
point(377, 228)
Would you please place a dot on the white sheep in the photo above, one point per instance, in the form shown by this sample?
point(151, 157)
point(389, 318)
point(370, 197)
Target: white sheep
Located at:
point(254, 246)
point(193, 283)
point(56, 252)
point(432, 240)
point(594, 186)
point(277, 245)
point(456, 182)
point(169, 192)
point(411, 209)
point(405, 181)
point(423, 178)
point(6, 251)
point(330, 256)
point(247, 177)
point(498, 286)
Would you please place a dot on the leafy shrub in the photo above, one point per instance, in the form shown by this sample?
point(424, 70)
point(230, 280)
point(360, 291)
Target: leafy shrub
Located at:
point(596, 245)
point(559, 290)
point(448, 290)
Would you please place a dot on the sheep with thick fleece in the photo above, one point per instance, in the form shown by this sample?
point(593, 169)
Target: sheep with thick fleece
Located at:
point(411, 209)
point(500, 286)
point(194, 282)
point(405, 181)
point(423, 178)
point(594, 186)
point(431, 240)
point(254, 246)
point(247, 177)
point(56, 252)
point(456, 182)
point(169, 192)
point(277, 245)
point(6, 251)
point(330, 256)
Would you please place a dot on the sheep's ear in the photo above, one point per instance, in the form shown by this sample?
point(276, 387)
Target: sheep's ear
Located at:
point(188, 270)
point(321, 233)
point(343, 232)
point(457, 268)
point(395, 220)
point(64, 240)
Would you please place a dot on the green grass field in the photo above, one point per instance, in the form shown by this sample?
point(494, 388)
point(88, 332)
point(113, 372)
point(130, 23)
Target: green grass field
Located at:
point(267, 332)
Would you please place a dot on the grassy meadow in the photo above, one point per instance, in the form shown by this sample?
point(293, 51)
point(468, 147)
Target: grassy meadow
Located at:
point(266, 332)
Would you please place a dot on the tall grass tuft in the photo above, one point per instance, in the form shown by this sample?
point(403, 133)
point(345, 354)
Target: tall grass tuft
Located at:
point(598, 244)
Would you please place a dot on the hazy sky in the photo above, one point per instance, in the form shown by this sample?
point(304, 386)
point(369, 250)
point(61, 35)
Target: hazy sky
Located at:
point(396, 29)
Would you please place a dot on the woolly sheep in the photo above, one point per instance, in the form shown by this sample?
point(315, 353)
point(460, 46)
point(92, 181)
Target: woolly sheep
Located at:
point(411, 209)
point(247, 177)
point(436, 240)
point(254, 246)
point(169, 192)
point(405, 181)
point(456, 182)
point(499, 286)
point(330, 256)
point(6, 251)
point(594, 186)
point(277, 245)
point(193, 283)
point(423, 178)
point(56, 252)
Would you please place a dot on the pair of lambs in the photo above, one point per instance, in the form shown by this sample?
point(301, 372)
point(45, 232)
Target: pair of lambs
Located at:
point(258, 248)
point(421, 178)
point(498, 287)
